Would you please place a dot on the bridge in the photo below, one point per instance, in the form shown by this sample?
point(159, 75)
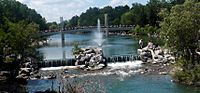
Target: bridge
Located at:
point(88, 30)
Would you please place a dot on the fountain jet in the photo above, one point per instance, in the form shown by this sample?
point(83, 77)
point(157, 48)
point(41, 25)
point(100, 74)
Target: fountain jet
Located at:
point(98, 35)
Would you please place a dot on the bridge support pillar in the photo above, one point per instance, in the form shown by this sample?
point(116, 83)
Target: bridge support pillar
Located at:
point(62, 33)
point(64, 55)
point(106, 23)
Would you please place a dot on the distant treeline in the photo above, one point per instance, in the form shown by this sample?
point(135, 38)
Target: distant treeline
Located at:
point(138, 14)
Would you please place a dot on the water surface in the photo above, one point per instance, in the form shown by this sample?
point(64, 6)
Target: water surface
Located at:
point(121, 78)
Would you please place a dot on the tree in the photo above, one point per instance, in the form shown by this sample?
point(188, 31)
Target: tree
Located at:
point(21, 36)
point(117, 13)
point(137, 30)
point(128, 18)
point(90, 17)
point(52, 25)
point(140, 15)
point(73, 22)
point(180, 29)
point(174, 2)
point(14, 11)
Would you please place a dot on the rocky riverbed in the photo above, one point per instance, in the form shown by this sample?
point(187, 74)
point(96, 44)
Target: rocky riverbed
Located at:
point(76, 71)
point(91, 61)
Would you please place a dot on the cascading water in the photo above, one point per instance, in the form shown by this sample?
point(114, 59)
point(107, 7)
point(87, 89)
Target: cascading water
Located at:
point(98, 35)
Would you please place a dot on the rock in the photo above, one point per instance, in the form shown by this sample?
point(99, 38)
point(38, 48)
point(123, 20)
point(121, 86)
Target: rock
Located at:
point(27, 65)
point(89, 51)
point(66, 71)
point(158, 52)
point(51, 77)
point(142, 72)
point(163, 73)
point(32, 73)
point(145, 55)
point(33, 78)
point(89, 55)
point(38, 76)
point(91, 58)
point(87, 69)
point(139, 51)
point(98, 67)
point(22, 76)
point(78, 56)
point(25, 71)
point(66, 76)
point(4, 73)
point(82, 59)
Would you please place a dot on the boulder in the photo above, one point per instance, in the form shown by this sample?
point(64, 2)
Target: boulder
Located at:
point(89, 51)
point(91, 58)
point(22, 76)
point(27, 65)
point(25, 71)
point(159, 52)
point(163, 73)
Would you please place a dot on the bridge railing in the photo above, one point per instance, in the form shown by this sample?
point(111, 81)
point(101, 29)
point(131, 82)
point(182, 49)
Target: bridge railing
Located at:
point(86, 27)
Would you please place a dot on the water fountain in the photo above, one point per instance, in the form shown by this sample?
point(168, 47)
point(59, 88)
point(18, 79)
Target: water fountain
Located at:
point(99, 35)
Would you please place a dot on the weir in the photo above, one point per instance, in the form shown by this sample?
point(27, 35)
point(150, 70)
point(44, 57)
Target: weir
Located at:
point(121, 58)
point(71, 62)
point(57, 63)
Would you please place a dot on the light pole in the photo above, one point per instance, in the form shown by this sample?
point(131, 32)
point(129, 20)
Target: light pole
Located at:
point(61, 30)
point(106, 23)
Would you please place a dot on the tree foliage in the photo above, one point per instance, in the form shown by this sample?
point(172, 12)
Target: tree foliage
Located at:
point(14, 11)
point(180, 28)
point(91, 15)
point(19, 27)
point(128, 18)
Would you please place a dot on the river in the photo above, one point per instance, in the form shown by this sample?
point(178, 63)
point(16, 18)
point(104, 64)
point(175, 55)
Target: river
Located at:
point(124, 77)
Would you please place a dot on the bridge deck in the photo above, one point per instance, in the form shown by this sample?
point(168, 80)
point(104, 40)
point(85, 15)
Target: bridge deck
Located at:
point(87, 30)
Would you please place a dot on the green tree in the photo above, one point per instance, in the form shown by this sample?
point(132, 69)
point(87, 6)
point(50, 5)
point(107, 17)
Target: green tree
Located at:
point(137, 30)
point(73, 22)
point(117, 13)
point(140, 14)
point(52, 25)
point(14, 11)
point(150, 29)
point(90, 17)
point(128, 18)
point(180, 28)
point(21, 36)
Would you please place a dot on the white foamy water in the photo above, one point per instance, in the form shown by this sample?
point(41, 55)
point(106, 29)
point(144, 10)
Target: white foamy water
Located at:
point(119, 68)
point(59, 68)
point(125, 65)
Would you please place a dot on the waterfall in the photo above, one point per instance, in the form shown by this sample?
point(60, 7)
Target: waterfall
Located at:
point(121, 58)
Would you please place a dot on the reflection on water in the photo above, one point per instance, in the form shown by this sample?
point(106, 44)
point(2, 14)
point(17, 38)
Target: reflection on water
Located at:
point(113, 45)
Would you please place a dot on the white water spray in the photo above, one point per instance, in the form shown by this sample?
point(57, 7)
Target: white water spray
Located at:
point(99, 35)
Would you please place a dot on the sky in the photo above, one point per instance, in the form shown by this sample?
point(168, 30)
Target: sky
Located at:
point(52, 10)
